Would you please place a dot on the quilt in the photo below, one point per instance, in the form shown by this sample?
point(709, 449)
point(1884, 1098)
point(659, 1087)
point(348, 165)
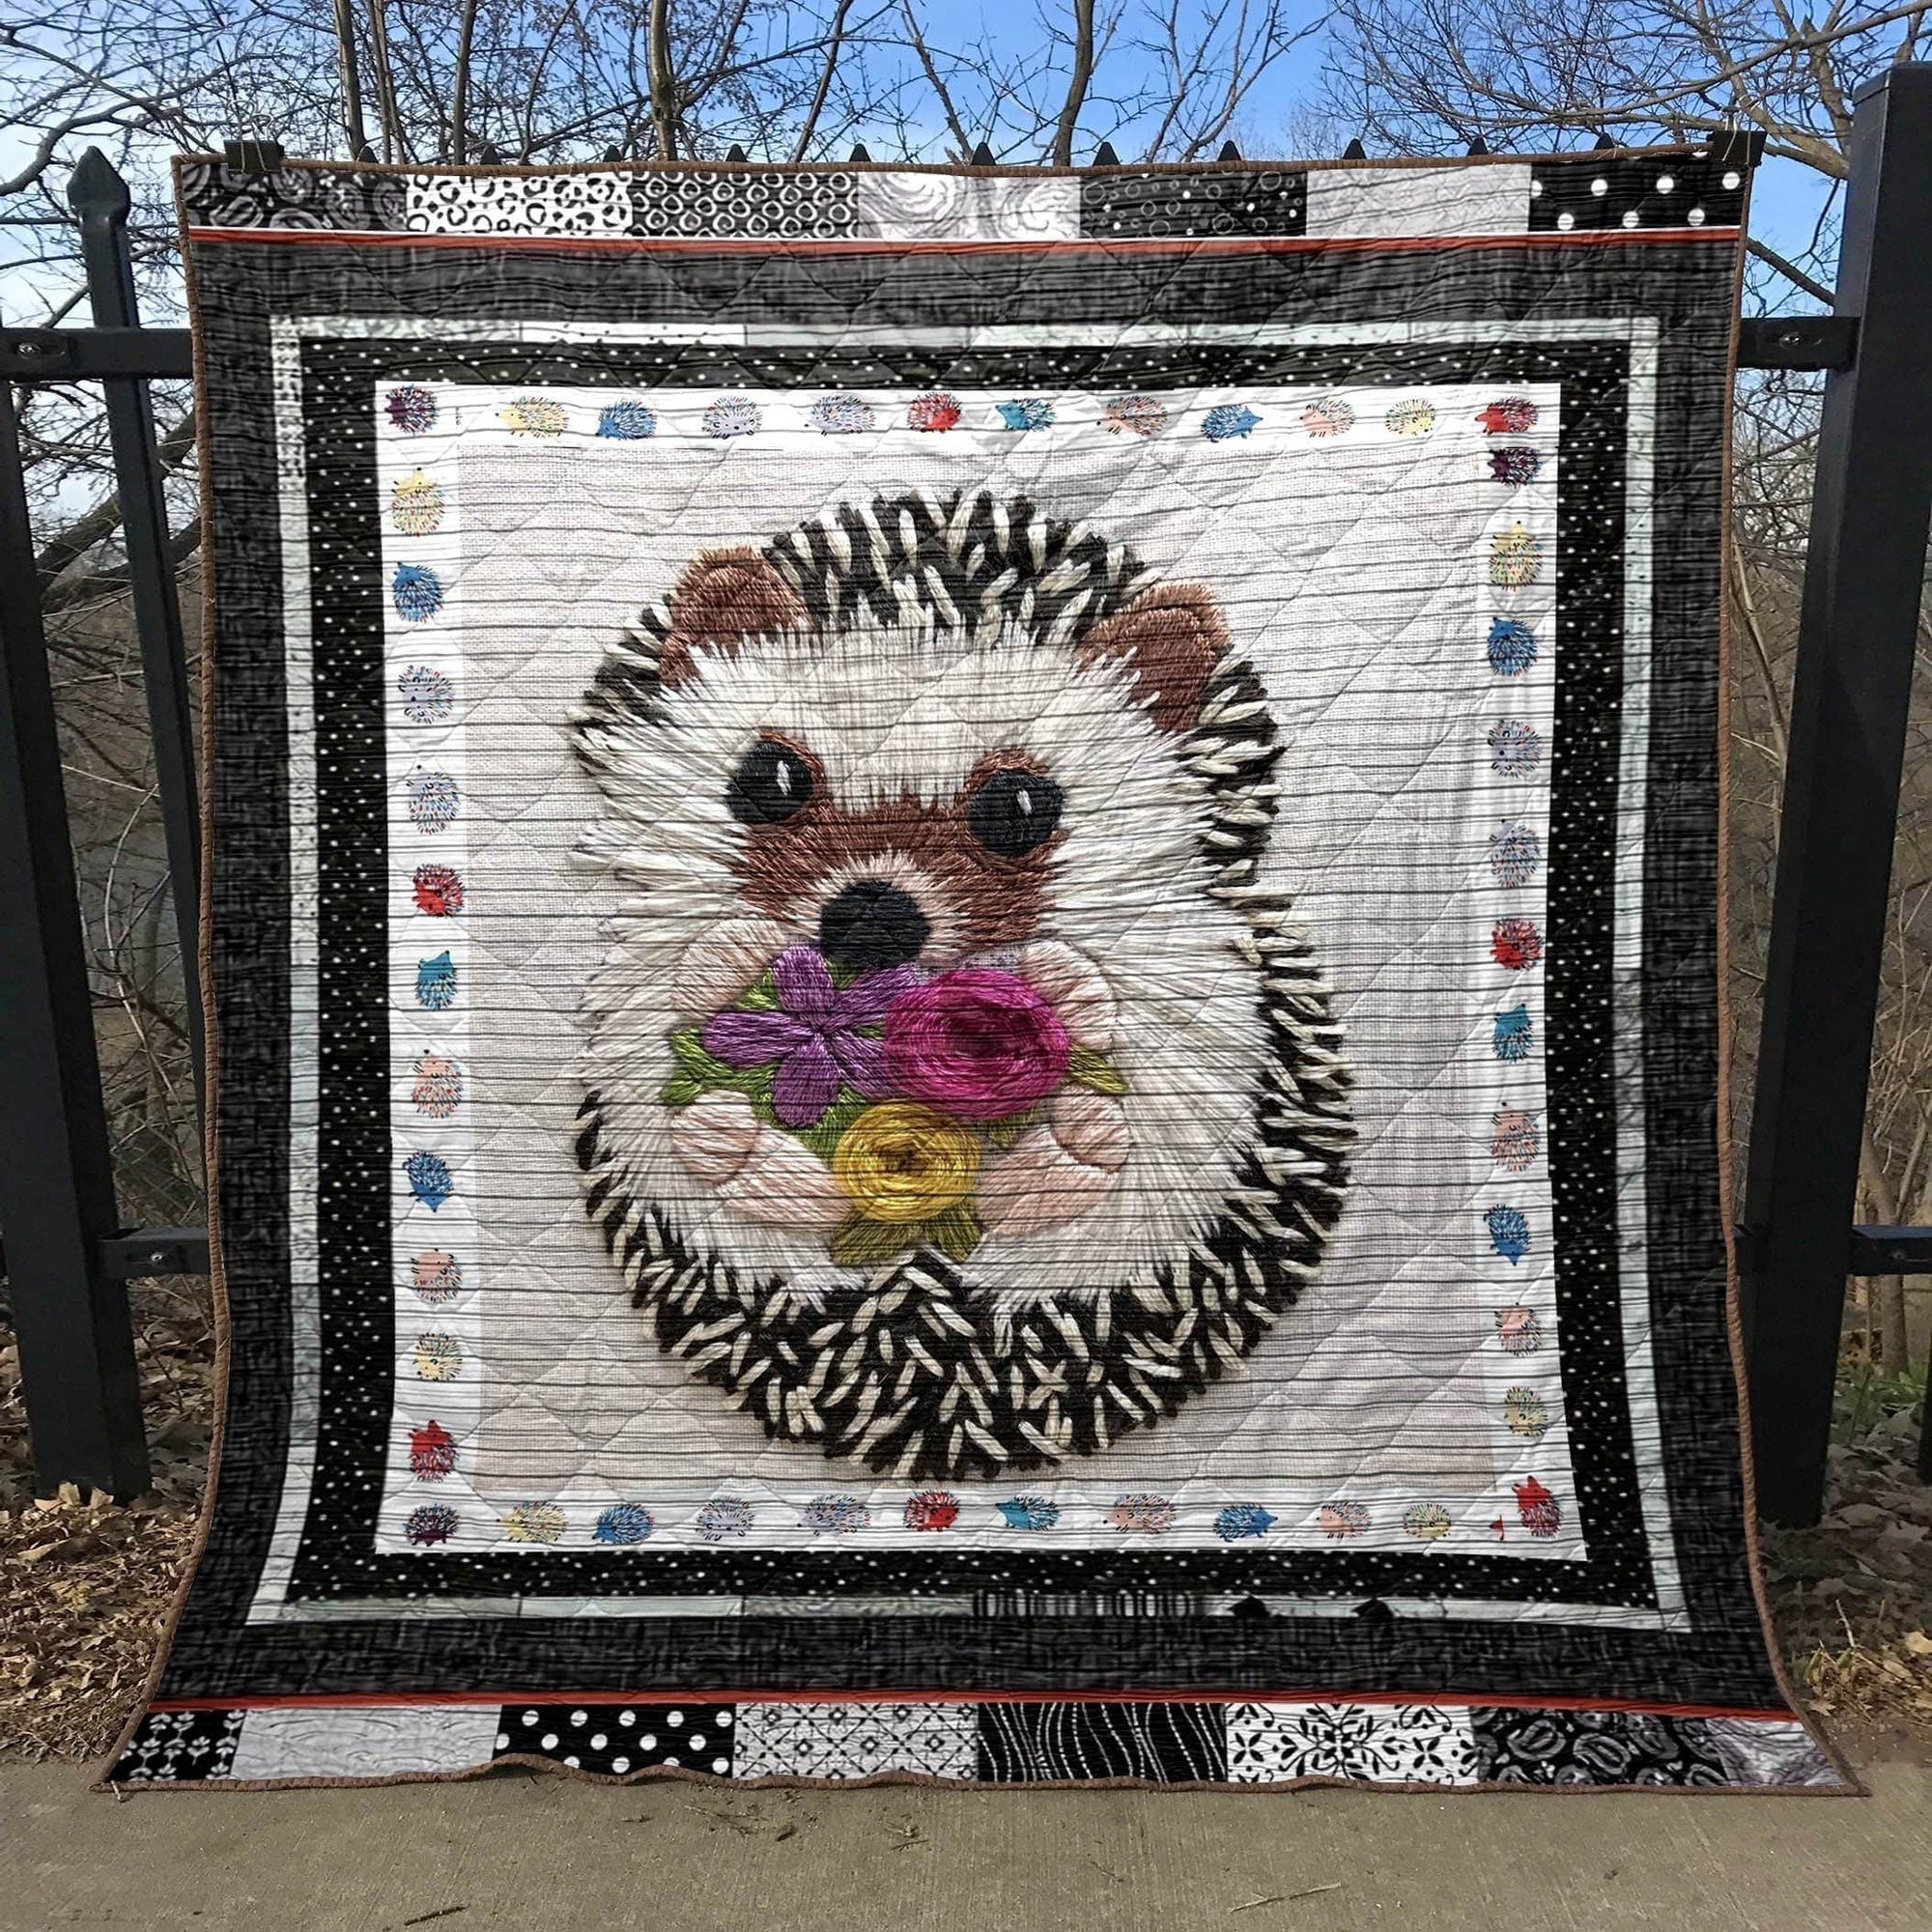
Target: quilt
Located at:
point(963, 954)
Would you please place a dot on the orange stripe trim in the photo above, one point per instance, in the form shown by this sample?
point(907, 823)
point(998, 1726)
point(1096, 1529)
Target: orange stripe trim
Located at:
point(1240, 244)
point(384, 1699)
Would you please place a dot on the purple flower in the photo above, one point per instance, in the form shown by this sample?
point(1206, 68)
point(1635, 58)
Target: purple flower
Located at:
point(816, 1036)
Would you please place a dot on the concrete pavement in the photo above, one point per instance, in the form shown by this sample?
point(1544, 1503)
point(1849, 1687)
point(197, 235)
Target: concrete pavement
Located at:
point(535, 1852)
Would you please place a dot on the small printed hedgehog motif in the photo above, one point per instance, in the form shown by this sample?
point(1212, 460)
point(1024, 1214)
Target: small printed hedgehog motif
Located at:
point(1330, 416)
point(1242, 1519)
point(1516, 944)
point(1513, 1143)
point(438, 1358)
point(1514, 1035)
point(437, 1089)
point(412, 408)
point(732, 416)
point(931, 1509)
point(1342, 1520)
point(1515, 854)
point(1228, 419)
point(723, 1521)
point(1508, 1233)
point(438, 889)
point(417, 593)
point(1541, 1513)
point(1515, 557)
point(1514, 465)
point(535, 1522)
point(1512, 647)
point(1413, 417)
point(432, 800)
point(1026, 413)
point(841, 415)
point(534, 416)
point(437, 1277)
point(1516, 749)
point(1519, 1331)
point(1525, 1413)
point(432, 1523)
point(415, 504)
point(1511, 417)
point(1135, 415)
point(428, 697)
point(623, 1523)
point(628, 422)
point(432, 1451)
point(934, 412)
point(1427, 1522)
point(427, 1176)
point(1030, 1513)
point(1152, 1514)
point(839, 1513)
point(436, 982)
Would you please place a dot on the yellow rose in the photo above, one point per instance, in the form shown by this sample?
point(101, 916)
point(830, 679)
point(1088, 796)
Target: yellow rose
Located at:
point(903, 1162)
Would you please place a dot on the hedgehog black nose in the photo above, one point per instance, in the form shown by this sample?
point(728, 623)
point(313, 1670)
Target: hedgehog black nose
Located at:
point(872, 924)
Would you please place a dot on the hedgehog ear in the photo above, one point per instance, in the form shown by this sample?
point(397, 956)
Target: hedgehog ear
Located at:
point(721, 598)
point(1174, 636)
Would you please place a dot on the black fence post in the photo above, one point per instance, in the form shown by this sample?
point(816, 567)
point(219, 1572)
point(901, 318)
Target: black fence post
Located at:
point(77, 1370)
point(1863, 581)
point(99, 199)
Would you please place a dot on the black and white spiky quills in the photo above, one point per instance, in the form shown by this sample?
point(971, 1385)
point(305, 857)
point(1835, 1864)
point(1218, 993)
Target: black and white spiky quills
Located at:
point(917, 1373)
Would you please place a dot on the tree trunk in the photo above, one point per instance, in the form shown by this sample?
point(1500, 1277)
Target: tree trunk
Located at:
point(663, 84)
point(1076, 85)
point(459, 94)
point(350, 65)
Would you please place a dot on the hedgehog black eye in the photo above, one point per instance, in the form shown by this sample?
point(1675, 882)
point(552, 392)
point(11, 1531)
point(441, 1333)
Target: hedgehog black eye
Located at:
point(1013, 811)
point(771, 784)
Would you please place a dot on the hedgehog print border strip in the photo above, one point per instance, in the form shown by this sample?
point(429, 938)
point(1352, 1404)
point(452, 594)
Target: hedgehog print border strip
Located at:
point(963, 979)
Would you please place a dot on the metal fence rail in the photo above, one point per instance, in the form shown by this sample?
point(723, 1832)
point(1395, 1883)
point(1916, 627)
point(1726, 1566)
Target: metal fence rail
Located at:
point(69, 1258)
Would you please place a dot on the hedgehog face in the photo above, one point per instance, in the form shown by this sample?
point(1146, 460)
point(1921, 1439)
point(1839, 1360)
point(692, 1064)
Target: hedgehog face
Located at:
point(946, 968)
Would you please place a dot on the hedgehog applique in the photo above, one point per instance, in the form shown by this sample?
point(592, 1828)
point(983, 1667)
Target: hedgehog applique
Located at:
point(957, 1096)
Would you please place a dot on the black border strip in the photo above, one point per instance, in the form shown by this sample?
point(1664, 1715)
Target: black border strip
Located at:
point(1683, 284)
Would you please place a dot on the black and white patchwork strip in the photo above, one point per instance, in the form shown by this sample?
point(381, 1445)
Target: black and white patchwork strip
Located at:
point(1157, 1741)
point(1670, 188)
point(614, 1740)
point(1086, 1742)
point(179, 1747)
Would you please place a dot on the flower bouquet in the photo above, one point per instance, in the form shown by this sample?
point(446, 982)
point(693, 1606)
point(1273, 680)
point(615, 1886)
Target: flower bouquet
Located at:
point(910, 1087)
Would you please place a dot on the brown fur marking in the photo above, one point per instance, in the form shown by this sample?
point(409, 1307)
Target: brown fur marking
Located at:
point(995, 901)
point(723, 597)
point(1173, 636)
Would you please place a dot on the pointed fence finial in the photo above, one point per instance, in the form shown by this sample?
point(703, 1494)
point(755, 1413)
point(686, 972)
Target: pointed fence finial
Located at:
point(736, 154)
point(1478, 146)
point(614, 153)
point(1229, 153)
point(1605, 141)
point(95, 191)
point(490, 156)
point(365, 151)
point(982, 157)
point(1104, 156)
point(859, 152)
point(1354, 151)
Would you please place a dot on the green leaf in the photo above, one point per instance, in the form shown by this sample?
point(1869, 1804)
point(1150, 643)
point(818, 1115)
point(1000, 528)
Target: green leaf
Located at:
point(860, 1241)
point(763, 998)
point(825, 1134)
point(956, 1233)
point(704, 1067)
point(1004, 1133)
point(679, 1090)
point(1089, 1067)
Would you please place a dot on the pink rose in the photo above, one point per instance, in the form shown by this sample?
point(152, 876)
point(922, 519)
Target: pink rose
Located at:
point(977, 1043)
